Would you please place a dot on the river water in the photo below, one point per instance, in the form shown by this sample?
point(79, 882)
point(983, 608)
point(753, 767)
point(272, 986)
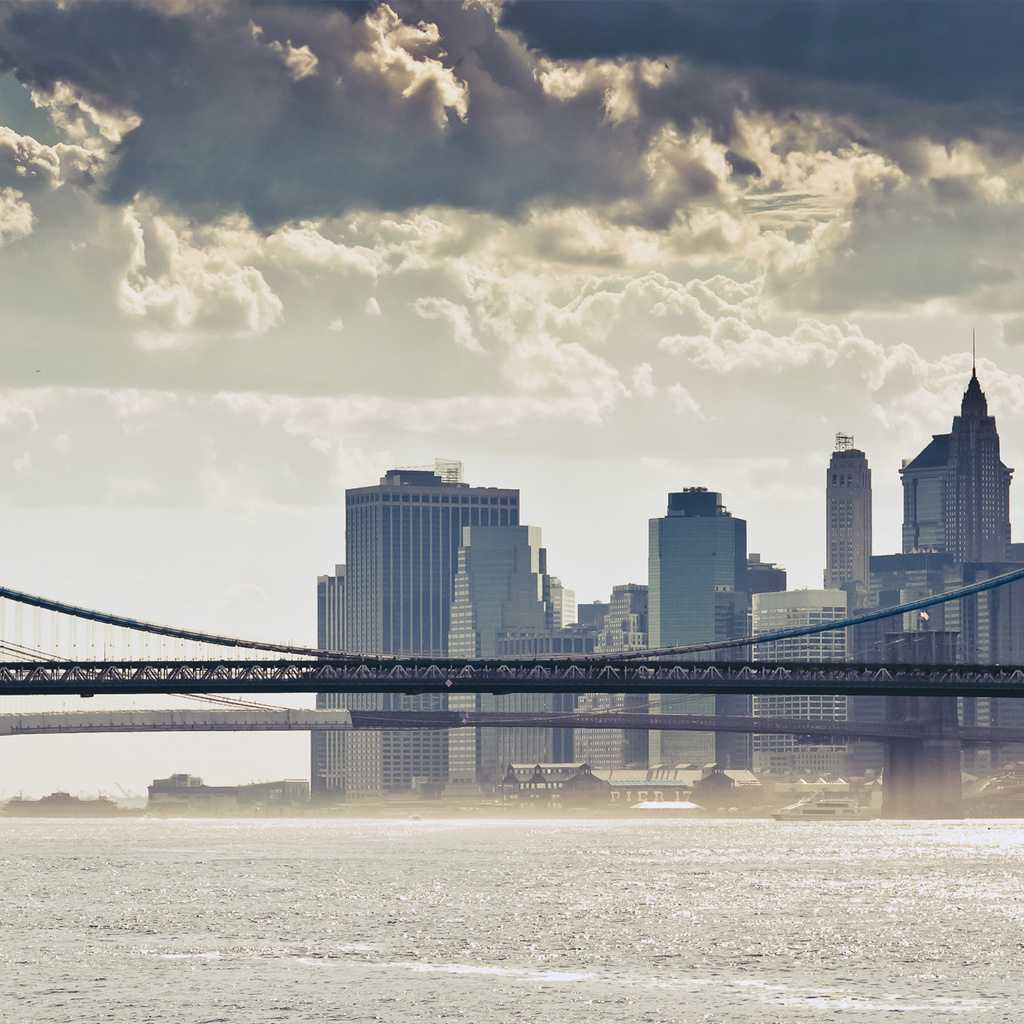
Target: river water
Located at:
point(547, 922)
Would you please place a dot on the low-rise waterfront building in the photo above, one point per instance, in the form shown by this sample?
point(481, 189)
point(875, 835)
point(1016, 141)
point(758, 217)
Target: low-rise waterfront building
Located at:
point(189, 795)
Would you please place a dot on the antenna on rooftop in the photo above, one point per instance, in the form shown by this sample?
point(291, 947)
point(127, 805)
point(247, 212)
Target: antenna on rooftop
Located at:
point(449, 470)
point(974, 351)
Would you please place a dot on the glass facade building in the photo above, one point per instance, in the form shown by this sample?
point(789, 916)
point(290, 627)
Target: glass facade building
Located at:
point(503, 594)
point(697, 564)
point(623, 628)
point(402, 539)
point(499, 586)
point(771, 613)
point(327, 749)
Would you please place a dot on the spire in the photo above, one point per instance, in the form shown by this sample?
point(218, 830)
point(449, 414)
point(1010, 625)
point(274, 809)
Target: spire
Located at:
point(974, 402)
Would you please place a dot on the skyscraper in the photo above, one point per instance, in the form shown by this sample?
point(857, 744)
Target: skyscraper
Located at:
point(697, 564)
point(847, 516)
point(956, 518)
point(624, 628)
point(956, 493)
point(501, 588)
point(402, 540)
point(330, 610)
point(764, 577)
point(560, 602)
point(327, 748)
point(772, 613)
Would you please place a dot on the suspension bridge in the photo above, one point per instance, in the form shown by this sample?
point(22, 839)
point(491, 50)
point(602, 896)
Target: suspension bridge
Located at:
point(51, 648)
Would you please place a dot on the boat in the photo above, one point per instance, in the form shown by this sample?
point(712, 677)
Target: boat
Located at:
point(64, 805)
point(824, 808)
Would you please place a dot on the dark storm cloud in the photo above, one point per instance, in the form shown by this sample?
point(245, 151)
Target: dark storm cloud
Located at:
point(942, 51)
point(230, 121)
point(885, 75)
point(223, 125)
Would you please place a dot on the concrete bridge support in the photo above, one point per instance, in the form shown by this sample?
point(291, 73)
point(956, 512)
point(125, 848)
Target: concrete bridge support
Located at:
point(922, 776)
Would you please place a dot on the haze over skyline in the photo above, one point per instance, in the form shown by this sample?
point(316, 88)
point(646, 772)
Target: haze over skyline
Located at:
point(254, 254)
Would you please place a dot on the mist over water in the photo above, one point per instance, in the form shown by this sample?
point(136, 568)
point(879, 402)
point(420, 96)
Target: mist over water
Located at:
point(506, 921)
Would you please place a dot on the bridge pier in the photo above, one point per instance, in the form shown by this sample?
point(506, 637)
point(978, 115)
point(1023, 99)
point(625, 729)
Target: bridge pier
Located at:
point(922, 775)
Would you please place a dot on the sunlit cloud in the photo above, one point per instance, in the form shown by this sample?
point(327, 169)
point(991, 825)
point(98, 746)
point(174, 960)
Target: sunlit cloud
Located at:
point(248, 263)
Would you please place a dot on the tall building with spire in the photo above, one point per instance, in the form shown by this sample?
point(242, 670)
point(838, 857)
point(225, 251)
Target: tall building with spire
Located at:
point(848, 516)
point(956, 493)
point(956, 531)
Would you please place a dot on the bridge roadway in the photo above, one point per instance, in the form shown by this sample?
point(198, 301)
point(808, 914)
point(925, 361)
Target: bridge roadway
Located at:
point(49, 722)
point(40, 723)
point(355, 674)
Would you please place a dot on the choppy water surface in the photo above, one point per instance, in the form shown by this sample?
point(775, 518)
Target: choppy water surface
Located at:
point(513, 922)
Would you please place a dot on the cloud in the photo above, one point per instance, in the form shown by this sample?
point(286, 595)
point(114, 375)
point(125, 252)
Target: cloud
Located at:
point(643, 381)
point(182, 280)
point(949, 53)
point(314, 110)
point(665, 139)
point(300, 61)
point(392, 55)
point(906, 244)
point(307, 243)
point(683, 402)
point(207, 112)
point(604, 228)
point(15, 215)
point(93, 125)
point(433, 308)
point(27, 164)
point(245, 595)
point(735, 343)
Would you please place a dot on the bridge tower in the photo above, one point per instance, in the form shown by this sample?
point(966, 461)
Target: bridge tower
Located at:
point(922, 776)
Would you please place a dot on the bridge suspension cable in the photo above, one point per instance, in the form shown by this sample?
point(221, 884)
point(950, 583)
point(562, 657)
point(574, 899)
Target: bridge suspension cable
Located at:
point(158, 629)
point(234, 702)
point(21, 652)
point(784, 634)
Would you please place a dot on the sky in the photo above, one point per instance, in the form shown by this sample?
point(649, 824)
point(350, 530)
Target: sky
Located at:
point(252, 254)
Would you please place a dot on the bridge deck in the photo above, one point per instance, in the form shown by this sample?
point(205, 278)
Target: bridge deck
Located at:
point(419, 675)
point(41, 723)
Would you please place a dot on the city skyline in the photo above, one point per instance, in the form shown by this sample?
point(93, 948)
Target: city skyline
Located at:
point(704, 586)
point(419, 476)
point(599, 261)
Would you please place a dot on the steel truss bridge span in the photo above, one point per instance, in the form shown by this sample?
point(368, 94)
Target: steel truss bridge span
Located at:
point(423, 675)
